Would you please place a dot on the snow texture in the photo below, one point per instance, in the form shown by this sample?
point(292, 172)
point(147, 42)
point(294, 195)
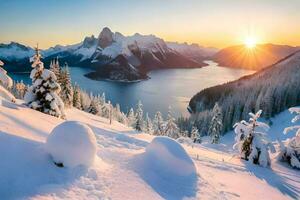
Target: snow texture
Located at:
point(72, 143)
point(166, 166)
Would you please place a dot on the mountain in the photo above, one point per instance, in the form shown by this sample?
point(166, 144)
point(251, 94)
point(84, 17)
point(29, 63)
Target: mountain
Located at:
point(272, 89)
point(256, 58)
point(138, 54)
point(193, 51)
point(112, 55)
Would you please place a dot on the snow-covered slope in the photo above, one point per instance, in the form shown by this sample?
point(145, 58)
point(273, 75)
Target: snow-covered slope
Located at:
point(26, 170)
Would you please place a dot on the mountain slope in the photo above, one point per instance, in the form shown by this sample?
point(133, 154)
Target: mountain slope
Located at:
point(220, 175)
point(193, 51)
point(257, 58)
point(272, 89)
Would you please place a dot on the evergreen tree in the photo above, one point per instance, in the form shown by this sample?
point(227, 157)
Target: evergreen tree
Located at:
point(216, 125)
point(94, 106)
point(148, 124)
point(158, 124)
point(195, 135)
point(139, 120)
point(43, 94)
point(55, 68)
point(66, 93)
point(131, 117)
point(171, 129)
point(252, 144)
point(76, 97)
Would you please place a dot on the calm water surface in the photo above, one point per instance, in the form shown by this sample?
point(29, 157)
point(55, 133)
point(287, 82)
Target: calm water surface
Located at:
point(172, 87)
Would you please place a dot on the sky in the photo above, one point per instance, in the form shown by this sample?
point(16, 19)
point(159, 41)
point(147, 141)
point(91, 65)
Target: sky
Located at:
point(216, 23)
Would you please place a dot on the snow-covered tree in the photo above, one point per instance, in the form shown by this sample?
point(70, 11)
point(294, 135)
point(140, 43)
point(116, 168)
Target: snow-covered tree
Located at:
point(195, 135)
point(66, 93)
point(131, 117)
point(5, 80)
point(216, 125)
point(76, 97)
point(158, 124)
point(291, 152)
point(85, 100)
point(148, 125)
point(171, 129)
point(55, 68)
point(139, 119)
point(42, 95)
point(95, 107)
point(19, 89)
point(251, 141)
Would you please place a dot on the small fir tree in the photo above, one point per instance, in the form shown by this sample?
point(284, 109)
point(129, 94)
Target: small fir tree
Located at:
point(139, 120)
point(43, 93)
point(171, 129)
point(216, 125)
point(158, 124)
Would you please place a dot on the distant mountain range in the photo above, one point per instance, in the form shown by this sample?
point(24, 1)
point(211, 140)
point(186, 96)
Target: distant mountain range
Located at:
point(273, 89)
point(257, 58)
point(112, 55)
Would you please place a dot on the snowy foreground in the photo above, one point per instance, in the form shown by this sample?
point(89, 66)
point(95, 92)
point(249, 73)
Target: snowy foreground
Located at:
point(124, 170)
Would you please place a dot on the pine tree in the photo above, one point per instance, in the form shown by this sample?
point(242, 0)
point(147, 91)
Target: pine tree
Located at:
point(171, 129)
point(66, 93)
point(148, 125)
point(158, 124)
point(139, 120)
point(43, 94)
point(131, 117)
point(94, 106)
point(252, 144)
point(76, 97)
point(216, 125)
point(55, 68)
point(195, 135)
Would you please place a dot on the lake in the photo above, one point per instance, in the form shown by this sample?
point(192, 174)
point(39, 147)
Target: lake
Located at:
point(171, 87)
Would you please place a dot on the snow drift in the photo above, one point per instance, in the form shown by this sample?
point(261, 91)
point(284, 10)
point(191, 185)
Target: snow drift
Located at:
point(167, 167)
point(72, 143)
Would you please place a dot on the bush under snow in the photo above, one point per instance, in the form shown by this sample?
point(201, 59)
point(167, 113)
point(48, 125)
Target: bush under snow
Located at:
point(72, 143)
point(291, 152)
point(167, 167)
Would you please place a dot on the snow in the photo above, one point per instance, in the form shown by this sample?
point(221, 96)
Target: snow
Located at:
point(123, 44)
point(27, 171)
point(72, 143)
point(5, 79)
point(5, 95)
point(167, 167)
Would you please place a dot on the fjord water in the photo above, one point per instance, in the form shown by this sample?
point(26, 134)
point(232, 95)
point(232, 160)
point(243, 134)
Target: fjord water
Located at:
point(171, 87)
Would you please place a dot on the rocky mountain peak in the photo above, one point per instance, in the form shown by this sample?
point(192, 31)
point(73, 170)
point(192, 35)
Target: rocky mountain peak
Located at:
point(105, 38)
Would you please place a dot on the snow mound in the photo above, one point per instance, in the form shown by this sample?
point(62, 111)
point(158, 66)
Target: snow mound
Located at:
point(167, 167)
point(72, 143)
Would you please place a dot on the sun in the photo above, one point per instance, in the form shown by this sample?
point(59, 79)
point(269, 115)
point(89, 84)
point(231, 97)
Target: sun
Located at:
point(250, 42)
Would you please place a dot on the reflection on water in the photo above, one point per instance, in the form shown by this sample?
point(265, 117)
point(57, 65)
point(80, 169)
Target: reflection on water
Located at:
point(172, 87)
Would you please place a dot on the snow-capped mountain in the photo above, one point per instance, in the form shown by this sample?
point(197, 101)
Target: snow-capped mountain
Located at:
point(112, 55)
point(136, 53)
point(14, 51)
point(193, 51)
